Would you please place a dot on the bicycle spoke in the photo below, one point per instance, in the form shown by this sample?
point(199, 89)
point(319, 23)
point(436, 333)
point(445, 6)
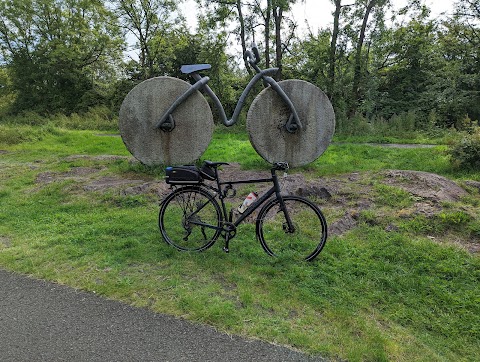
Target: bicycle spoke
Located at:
point(189, 219)
point(302, 240)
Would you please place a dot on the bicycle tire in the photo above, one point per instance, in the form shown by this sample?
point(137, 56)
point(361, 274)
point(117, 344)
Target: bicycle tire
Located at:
point(310, 229)
point(190, 219)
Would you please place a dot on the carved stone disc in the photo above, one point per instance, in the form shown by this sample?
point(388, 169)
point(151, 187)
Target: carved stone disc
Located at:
point(142, 109)
point(268, 115)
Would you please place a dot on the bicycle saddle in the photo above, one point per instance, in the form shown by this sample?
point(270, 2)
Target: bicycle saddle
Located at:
point(215, 164)
point(192, 68)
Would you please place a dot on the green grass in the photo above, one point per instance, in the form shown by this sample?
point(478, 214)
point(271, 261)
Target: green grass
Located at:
point(370, 295)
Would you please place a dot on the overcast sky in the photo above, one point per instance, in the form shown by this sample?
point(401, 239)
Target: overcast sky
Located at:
point(318, 13)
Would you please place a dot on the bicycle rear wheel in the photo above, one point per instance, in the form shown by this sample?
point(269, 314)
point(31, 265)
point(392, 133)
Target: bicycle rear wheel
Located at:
point(190, 219)
point(308, 236)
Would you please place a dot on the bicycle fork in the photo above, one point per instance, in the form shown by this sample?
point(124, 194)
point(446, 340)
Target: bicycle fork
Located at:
point(288, 227)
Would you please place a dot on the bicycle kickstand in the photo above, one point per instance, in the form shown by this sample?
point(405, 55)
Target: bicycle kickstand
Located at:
point(227, 240)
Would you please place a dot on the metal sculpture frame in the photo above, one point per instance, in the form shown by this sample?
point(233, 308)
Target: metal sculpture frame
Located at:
point(291, 120)
point(167, 122)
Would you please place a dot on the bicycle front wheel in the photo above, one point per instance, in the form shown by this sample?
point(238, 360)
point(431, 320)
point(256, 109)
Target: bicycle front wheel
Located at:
point(190, 219)
point(304, 241)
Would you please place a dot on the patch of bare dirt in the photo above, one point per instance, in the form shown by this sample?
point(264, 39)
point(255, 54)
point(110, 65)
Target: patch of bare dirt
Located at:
point(425, 185)
point(106, 182)
point(75, 173)
point(5, 241)
point(345, 196)
point(97, 158)
point(90, 179)
point(473, 184)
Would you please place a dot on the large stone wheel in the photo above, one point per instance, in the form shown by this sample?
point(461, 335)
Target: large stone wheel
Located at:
point(268, 115)
point(142, 109)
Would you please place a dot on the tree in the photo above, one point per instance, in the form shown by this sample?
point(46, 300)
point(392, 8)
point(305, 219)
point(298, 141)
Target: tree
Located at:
point(364, 9)
point(309, 59)
point(7, 96)
point(458, 83)
point(246, 13)
point(145, 19)
point(58, 52)
point(333, 48)
point(279, 7)
point(404, 65)
point(223, 11)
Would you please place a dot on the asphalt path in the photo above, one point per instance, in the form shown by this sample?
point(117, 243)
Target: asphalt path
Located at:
point(43, 321)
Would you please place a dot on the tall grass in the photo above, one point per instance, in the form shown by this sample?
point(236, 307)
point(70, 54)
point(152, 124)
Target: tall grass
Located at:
point(97, 118)
point(409, 127)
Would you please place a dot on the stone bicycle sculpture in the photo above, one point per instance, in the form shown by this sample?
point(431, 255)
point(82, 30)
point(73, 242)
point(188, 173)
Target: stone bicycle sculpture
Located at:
point(166, 120)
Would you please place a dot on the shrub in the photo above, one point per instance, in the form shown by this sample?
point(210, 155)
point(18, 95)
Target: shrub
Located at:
point(465, 154)
point(466, 124)
point(357, 125)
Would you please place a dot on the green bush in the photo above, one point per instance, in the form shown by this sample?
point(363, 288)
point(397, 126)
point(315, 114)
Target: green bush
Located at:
point(465, 154)
point(402, 126)
point(356, 125)
point(466, 124)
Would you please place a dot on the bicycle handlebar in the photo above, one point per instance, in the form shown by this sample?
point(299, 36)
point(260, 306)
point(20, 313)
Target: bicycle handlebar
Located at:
point(252, 56)
point(256, 53)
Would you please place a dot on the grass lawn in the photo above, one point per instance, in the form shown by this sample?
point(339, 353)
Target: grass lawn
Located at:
point(372, 294)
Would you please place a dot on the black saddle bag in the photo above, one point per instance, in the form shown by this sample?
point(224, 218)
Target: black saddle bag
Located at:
point(183, 175)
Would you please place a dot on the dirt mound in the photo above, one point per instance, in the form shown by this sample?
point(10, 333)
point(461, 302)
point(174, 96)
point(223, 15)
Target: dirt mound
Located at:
point(75, 173)
point(353, 189)
point(343, 196)
point(425, 185)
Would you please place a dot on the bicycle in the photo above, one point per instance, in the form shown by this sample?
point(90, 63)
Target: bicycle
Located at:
point(191, 219)
point(290, 120)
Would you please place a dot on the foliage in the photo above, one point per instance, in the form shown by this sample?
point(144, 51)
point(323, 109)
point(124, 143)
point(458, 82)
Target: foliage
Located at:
point(405, 67)
point(58, 52)
point(385, 70)
point(7, 97)
point(407, 125)
point(465, 154)
point(146, 21)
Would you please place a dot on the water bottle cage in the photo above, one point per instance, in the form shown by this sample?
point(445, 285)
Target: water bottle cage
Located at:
point(250, 199)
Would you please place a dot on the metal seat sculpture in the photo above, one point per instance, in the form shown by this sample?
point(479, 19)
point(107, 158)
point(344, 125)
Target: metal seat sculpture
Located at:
point(166, 120)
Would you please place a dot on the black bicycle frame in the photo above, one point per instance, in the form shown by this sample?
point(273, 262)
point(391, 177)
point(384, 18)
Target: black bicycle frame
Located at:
point(228, 226)
point(275, 189)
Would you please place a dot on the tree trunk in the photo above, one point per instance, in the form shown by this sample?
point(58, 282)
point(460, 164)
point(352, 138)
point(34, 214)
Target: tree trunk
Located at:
point(278, 15)
point(333, 49)
point(267, 33)
point(357, 75)
point(242, 35)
